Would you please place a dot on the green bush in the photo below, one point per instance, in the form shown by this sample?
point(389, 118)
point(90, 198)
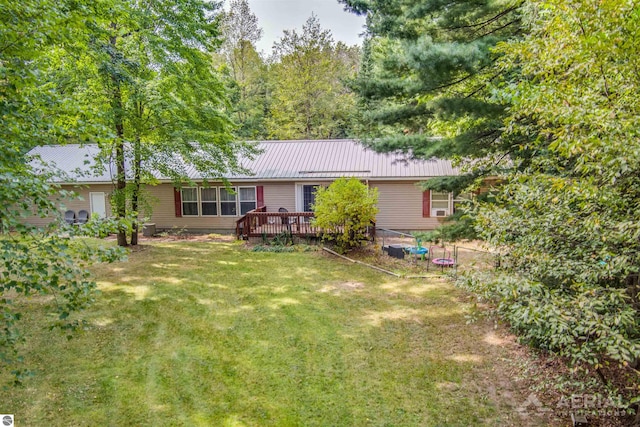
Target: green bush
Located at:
point(586, 324)
point(344, 211)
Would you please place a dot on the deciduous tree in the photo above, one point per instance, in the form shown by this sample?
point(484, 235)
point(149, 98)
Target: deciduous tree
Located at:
point(569, 222)
point(248, 71)
point(344, 211)
point(36, 261)
point(308, 97)
point(149, 65)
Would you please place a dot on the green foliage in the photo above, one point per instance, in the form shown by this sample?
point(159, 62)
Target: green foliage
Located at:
point(273, 248)
point(308, 97)
point(278, 247)
point(459, 226)
point(143, 72)
point(588, 325)
point(344, 211)
point(101, 227)
point(246, 68)
point(569, 221)
point(426, 85)
point(42, 263)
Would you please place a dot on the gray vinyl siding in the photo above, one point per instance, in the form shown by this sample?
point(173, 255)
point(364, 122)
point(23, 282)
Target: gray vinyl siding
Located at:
point(280, 195)
point(82, 202)
point(400, 207)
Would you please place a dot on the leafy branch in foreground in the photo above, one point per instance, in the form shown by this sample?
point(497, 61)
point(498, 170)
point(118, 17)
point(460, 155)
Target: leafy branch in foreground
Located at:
point(48, 262)
point(569, 221)
point(36, 262)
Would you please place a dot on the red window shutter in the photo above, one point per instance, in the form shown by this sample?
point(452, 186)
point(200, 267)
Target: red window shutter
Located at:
point(426, 204)
point(177, 196)
point(259, 196)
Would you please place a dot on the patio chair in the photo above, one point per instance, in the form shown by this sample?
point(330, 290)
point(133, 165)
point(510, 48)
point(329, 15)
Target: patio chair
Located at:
point(285, 219)
point(70, 217)
point(83, 217)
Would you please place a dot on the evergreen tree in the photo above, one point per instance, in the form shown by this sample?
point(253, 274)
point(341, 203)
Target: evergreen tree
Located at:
point(426, 88)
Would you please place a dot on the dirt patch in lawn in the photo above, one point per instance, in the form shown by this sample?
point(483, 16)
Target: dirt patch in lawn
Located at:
point(342, 287)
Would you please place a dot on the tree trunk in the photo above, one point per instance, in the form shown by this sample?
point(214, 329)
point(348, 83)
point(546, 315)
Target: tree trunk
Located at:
point(135, 193)
point(121, 183)
point(121, 179)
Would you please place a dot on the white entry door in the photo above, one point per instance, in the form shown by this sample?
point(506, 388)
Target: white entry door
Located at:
point(98, 204)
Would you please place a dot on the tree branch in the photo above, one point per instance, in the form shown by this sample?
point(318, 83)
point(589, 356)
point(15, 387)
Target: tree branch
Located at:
point(488, 21)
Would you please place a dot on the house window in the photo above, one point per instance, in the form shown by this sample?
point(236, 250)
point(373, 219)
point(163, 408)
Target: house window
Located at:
point(439, 203)
point(209, 201)
point(248, 200)
point(308, 197)
point(228, 202)
point(460, 200)
point(190, 202)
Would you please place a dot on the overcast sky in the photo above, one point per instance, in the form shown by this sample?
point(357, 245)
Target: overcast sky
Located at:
point(274, 16)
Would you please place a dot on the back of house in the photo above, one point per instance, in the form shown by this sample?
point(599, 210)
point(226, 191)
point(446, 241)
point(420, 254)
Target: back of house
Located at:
point(283, 177)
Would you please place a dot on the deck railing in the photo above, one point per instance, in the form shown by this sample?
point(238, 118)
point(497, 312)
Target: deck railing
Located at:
point(260, 223)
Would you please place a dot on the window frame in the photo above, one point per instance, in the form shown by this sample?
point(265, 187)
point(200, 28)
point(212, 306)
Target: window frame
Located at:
point(254, 201)
point(300, 192)
point(214, 202)
point(196, 201)
point(434, 210)
point(230, 190)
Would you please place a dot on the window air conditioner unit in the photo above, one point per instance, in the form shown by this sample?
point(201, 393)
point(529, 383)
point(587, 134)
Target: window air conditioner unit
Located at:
point(441, 212)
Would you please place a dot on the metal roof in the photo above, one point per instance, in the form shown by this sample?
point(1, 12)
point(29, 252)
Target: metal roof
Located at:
point(75, 162)
point(278, 160)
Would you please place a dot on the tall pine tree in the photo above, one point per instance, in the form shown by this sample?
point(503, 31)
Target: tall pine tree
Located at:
point(426, 85)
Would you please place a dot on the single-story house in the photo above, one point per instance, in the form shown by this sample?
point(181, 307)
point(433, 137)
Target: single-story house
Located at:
point(283, 177)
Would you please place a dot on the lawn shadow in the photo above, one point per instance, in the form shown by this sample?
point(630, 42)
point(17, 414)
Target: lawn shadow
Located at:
point(204, 333)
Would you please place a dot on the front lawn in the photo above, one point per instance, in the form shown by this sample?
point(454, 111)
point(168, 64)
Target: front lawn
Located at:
point(211, 334)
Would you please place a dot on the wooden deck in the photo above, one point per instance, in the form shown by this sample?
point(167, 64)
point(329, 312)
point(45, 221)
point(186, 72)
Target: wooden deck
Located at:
point(260, 223)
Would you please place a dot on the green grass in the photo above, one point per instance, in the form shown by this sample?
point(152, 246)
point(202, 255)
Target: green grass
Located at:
point(213, 334)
